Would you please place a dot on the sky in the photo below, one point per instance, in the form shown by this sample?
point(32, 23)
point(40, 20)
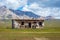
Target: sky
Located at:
point(39, 7)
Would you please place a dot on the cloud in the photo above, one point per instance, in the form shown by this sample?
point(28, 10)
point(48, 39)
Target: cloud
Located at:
point(1, 4)
point(43, 11)
point(39, 7)
point(52, 3)
point(25, 8)
point(34, 7)
point(46, 3)
point(14, 4)
point(31, 7)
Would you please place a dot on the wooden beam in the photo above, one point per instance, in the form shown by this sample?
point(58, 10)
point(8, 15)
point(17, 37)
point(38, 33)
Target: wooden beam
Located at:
point(12, 24)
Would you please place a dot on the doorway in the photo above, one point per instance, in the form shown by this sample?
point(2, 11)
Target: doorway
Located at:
point(40, 23)
point(29, 25)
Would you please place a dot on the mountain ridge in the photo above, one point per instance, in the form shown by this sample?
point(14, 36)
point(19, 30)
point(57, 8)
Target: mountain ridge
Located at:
point(27, 13)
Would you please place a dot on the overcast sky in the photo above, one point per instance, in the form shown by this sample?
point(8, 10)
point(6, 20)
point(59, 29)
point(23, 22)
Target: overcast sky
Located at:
point(39, 7)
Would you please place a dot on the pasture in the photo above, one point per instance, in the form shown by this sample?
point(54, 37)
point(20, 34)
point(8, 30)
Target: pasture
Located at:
point(51, 31)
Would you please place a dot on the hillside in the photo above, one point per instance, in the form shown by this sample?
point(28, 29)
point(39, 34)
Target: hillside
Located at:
point(5, 13)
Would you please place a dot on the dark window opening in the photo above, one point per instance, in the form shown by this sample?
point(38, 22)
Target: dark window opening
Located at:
point(22, 23)
point(40, 23)
point(29, 25)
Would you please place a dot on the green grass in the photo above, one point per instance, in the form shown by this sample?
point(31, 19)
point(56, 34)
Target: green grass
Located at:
point(51, 31)
point(5, 24)
point(52, 23)
point(31, 30)
point(15, 34)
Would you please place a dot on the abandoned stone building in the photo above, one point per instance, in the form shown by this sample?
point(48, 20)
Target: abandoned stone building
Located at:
point(27, 23)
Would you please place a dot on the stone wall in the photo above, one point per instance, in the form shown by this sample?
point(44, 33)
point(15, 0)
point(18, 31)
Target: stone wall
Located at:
point(18, 24)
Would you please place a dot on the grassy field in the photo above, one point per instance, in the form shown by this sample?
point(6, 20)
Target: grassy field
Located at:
point(51, 31)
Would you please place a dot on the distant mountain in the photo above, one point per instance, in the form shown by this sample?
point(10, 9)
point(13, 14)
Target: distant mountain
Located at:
point(26, 13)
point(5, 13)
point(49, 17)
